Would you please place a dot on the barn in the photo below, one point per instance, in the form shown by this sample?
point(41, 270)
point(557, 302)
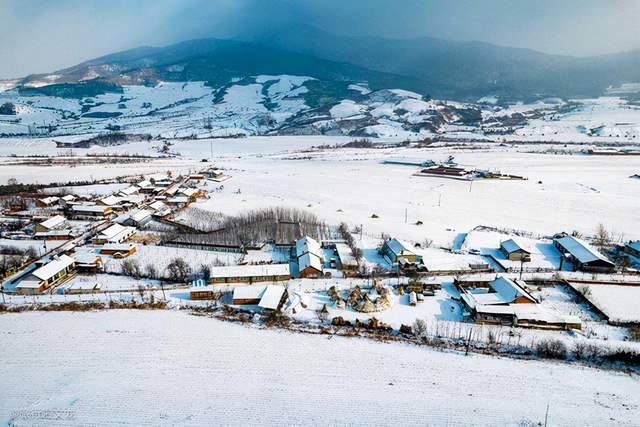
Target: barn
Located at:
point(513, 250)
point(396, 251)
point(582, 255)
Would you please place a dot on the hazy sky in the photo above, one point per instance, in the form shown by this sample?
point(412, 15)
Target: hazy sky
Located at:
point(45, 35)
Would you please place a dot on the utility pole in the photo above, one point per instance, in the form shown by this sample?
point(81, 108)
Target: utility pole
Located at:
point(521, 267)
point(546, 416)
point(406, 212)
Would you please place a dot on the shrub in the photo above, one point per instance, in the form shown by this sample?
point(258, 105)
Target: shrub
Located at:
point(419, 327)
point(551, 349)
point(586, 351)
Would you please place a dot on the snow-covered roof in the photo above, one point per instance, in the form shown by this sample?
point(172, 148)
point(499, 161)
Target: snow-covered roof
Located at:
point(308, 244)
point(144, 183)
point(251, 270)
point(581, 250)
point(510, 289)
point(188, 191)
point(178, 199)
point(68, 198)
point(49, 200)
point(129, 190)
point(53, 222)
point(117, 246)
point(172, 190)
point(110, 200)
point(158, 206)
point(344, 252)
point(133, 198)
point(634, 245)
point(116, 232)
point(398, 247)
point(140, 215)
point(52, 233)
point(271, 297)
point(53, 267)
point(513, 245)
point(248, 292)
point(88, 208)
point(309, 260)
point(86, 257)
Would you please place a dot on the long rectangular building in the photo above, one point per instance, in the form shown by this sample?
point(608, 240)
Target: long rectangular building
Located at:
point(250, 273)
point(582, 255)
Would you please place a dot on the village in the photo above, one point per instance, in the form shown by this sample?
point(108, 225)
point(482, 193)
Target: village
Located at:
point(149, 242)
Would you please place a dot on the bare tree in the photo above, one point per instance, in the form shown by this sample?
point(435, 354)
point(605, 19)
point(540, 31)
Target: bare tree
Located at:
point(151, 271)
point(130, 267)
point(178, 270)
point(602, 237)
point(205, 272)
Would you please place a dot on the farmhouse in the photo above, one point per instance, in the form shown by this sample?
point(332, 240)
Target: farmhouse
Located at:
point(448, 171)
point(114, 234)
point(397, 252)
point(215, 174)
point(633, 248)
point(269, 297)
point(67, 200)
point(502, 291)
point(109, 201)
point(57, 222)
point(514, 251)
point(54, 235)
point(309, 256)
point(347, 260)
point(250, 273)
point(582, 255)
point(129, 190)
point(191, 193)
point(90, 212)
point(507, 302)
point(159, 208)
point(87, 261)
point(47, 202)
point(118, 250)
point(50, 274)
point(138, 218)
point(178, 201)
point(132, 200)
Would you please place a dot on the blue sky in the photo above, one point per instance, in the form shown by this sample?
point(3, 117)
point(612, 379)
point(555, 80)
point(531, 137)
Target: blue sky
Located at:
point(42, 36)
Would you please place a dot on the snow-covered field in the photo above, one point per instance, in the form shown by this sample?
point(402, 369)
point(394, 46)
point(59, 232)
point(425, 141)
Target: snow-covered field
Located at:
point(169, 368)
point(620, 303)
point(160, 256)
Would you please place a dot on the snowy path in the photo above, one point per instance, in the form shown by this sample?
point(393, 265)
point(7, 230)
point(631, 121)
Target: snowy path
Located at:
point(169, 368)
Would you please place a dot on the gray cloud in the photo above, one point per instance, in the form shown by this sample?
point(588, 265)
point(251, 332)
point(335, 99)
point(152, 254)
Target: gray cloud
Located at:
point(41, 36)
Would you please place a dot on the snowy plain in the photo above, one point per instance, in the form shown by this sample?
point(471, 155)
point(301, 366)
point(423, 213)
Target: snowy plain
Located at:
point(170, 368)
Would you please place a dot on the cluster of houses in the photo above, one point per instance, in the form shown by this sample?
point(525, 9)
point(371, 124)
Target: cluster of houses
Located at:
point(506, 301)
point(115, 220)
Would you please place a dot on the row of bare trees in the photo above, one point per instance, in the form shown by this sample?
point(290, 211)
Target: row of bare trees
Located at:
point(177, 270)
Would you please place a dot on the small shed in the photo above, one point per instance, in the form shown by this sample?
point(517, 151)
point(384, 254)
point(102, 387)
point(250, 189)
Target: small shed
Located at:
point(513, 250)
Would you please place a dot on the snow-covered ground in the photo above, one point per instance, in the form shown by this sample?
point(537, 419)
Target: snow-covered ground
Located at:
point(620, 303)
point(170, 368)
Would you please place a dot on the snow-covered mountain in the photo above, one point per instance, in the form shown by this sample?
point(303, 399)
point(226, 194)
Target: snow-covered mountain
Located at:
point(215, 87)
point(294, 105)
